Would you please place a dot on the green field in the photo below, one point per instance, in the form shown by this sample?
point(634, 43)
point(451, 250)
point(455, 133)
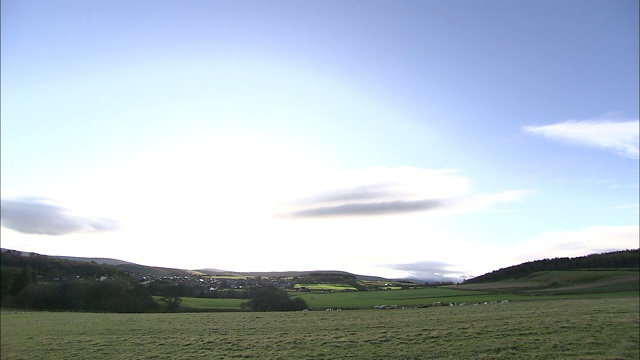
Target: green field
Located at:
point(368, 299)
point(410, 298)
point(566, 282)
point(212, 304)
point(326, 287)
point(540, 286)
point(566, 329)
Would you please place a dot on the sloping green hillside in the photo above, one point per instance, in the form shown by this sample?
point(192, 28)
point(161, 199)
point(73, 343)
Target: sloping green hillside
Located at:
point(617, 260)
point(564, 282)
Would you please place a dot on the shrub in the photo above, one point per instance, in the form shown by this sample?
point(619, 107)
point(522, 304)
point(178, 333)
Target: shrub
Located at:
point(270, 298)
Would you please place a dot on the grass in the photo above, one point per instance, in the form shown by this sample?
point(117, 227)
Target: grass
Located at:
point(544, 285)
point(409, 298)
point(567, 329)
point(326, 287)
point(230, 277)
point(566, 282)
point(555, 285)
point(212, 304)
point(588, 281)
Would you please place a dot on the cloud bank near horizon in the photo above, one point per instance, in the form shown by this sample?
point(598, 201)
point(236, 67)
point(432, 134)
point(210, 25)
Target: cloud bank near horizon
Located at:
point(547, 245)
point(620, 137)
point(44, 216)
point(431, 271)
point(574, 243)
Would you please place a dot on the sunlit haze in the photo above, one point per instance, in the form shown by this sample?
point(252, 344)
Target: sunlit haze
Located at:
point(430, 139)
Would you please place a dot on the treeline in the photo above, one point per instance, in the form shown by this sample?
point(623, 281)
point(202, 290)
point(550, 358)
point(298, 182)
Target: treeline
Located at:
point(105, 296)
point(41, 282)
point(270, 298)
point(38, 282)
point(52, 268)
point(625, 259)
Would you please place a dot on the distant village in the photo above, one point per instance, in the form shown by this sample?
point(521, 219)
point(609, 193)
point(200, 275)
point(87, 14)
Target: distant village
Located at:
point(307, 282)
point(26, 275)
point(220, 282)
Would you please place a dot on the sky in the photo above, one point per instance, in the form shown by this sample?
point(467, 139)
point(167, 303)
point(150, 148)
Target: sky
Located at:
point(431, 139)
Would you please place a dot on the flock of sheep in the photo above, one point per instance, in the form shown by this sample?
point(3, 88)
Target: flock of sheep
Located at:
point(485, 303)
point(440, 303)
point(437, 303)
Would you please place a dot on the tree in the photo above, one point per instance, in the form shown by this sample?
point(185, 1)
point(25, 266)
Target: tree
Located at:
point(270, 298)
point(21, 279)
point(6, 283)
point(172, 296)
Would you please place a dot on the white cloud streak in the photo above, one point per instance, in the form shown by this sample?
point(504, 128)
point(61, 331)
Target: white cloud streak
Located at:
point(596, 239)
point(620, 137)
point(390, 191)
point(43, 216)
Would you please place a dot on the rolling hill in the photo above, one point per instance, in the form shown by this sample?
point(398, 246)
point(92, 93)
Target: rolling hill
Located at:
point(611, 272)
point(143, 270)
point(592, 273)
point(625, 259)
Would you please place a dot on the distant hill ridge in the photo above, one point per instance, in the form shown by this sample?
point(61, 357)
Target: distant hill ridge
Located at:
point(287, 273)
point(162, 271)
point(625, 259)
point(80, 265)
point(107, 261)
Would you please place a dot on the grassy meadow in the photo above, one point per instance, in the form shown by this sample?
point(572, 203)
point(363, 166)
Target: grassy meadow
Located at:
point(407, 298)
point(565, 329)
point(326, 287)
point(553, 314)
point(566, 282)
point(545, 285)
point(212, 304)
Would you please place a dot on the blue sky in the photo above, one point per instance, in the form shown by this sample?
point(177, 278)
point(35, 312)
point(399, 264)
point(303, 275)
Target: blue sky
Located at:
point(415, 138)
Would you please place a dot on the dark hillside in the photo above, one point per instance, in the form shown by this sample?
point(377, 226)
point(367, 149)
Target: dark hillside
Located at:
point(130, 267)
point(153, 270)
point(52, 261)
point(106, 261)
point(51, 268)
point(39, 282)
point(617, 260)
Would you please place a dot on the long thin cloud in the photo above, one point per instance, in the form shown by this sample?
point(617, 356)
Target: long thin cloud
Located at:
point(390, 191)
point(378, 208)
point(619, 137)
point(43, 216)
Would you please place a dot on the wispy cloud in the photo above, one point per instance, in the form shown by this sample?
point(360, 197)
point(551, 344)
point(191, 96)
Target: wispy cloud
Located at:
point(587, 241)
point(389, 191)
point(619, 137)
point(43, 216)
point(378, 208)
point(380, 191)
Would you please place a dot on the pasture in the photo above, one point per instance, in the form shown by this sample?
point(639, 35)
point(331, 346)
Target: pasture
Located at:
point(566, 282)
point(539, 286)
point(363, 299)
point(407, 298)
point(212, 304)
point(578, 329)
point(326, 287)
